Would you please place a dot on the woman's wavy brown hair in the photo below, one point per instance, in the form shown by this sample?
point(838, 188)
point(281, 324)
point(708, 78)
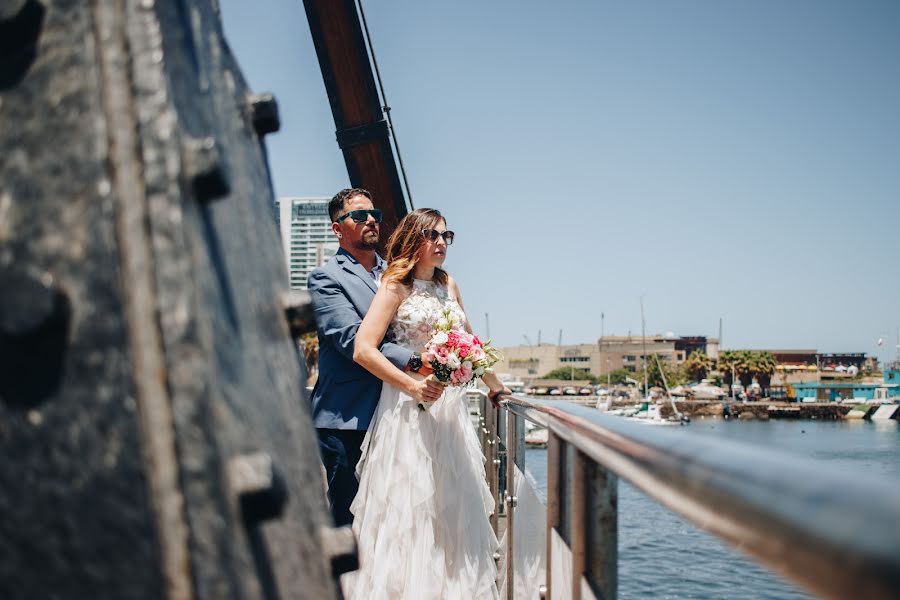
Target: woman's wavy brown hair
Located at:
point(404, 245)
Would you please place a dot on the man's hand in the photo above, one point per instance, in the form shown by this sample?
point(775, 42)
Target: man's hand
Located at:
point(425, 390)
point(494, 395)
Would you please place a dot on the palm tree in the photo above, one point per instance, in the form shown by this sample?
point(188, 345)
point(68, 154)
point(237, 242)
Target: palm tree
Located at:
point(745, 367)
point(725, 365)
point(697, 365)
point(766, 363)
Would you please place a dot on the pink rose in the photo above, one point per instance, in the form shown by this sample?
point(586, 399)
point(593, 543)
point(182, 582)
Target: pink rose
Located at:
point(464, 350)
point(465, 372)
point(452, 339)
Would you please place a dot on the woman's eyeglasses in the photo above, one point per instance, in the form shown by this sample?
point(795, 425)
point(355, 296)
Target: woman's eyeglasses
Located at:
point(433, 234)
point(361, 216)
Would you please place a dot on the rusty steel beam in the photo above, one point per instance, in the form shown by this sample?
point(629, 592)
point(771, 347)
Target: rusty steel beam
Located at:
point(362, 130)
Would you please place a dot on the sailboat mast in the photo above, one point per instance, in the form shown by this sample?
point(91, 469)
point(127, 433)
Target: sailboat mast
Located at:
point(644, 346)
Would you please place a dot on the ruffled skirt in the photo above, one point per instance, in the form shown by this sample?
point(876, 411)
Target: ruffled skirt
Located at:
point(421, 516)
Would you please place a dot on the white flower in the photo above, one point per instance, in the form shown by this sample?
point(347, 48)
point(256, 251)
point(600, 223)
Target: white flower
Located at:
point(453, 361)
point(479, 371)
point(440, 338)
point(467, 364)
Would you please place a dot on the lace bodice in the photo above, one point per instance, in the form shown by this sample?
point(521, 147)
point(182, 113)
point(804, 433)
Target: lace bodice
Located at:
point(413, 325)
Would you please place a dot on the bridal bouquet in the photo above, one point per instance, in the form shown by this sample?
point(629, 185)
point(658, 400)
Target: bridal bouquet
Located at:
point(456, 356)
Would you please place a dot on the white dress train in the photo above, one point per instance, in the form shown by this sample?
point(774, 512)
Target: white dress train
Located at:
point(421, 516)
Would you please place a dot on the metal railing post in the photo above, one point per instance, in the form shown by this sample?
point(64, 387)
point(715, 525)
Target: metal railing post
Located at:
point(594, 531)
point(515, 441)
point(502, 460)
point(577, 510)
point(601, 503)
point(491, 459)
point(554, 450)
point(482, 424)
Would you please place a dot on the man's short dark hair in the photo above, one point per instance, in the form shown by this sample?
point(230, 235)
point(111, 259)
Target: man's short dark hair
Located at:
point(336, 205)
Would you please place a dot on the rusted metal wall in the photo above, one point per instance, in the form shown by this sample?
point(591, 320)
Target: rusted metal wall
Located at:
point(155, 437)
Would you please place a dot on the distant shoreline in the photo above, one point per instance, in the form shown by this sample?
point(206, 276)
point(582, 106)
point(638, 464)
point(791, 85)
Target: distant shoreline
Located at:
point(762, 410)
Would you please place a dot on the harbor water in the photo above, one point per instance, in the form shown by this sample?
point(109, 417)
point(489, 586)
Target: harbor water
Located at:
point(663, 556)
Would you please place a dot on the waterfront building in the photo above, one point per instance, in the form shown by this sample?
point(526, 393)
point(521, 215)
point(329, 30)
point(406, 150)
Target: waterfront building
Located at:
point(888, 390)
point(810, 365)
point(306, 236)
point(608, 354)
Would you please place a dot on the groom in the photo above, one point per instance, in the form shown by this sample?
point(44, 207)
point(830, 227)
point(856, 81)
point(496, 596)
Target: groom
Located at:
point(345, 395)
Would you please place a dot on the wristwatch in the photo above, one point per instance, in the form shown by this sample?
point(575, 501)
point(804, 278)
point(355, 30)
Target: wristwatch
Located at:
point(415, 362)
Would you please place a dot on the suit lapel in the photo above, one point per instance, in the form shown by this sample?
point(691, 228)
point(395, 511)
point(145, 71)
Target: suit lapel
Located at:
point(352, 266)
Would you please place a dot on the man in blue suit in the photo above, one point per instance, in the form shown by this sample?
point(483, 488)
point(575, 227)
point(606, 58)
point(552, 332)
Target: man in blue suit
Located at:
point(346, 395)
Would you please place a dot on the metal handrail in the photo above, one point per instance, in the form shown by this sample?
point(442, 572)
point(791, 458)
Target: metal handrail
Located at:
point(835, 533)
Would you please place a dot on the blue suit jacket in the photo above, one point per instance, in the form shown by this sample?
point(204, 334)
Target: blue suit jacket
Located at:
point(346, 394)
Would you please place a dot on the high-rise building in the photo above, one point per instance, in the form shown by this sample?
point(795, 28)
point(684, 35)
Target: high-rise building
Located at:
point(306, 236)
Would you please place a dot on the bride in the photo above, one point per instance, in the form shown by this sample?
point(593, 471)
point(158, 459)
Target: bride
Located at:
point(421, 513)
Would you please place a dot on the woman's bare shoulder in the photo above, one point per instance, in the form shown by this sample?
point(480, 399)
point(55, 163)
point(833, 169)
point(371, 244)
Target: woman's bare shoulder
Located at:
point(451, 285)
point(395, 290)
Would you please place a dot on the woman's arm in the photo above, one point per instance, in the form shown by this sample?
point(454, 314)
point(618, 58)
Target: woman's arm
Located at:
point(495, 386)
point(370, 334)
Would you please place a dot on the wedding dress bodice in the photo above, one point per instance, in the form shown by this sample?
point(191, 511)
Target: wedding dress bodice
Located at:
point(413, 325)
point(421, 516)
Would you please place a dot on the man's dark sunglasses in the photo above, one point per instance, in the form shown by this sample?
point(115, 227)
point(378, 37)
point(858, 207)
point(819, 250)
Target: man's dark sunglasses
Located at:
point(361, 216)
point(432, 235)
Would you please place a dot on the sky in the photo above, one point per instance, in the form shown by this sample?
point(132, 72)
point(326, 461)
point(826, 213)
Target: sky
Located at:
point(717, 159)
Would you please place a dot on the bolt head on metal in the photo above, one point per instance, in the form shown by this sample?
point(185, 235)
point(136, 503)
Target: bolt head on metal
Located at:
point(261, 491)
point(29, 301)
point(339, 546)
point(512, 501)
point(264, 113)
point(10, 9)
point(205, 168)
point(298, 311)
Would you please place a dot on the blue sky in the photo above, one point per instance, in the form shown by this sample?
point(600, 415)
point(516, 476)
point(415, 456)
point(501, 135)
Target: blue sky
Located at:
point(721, 159)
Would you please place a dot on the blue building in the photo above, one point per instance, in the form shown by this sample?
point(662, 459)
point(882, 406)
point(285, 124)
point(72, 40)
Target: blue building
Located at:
point(887, 391)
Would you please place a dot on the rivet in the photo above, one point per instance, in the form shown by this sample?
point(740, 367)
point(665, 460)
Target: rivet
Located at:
point(11, 9)
point(298, 311)
point(204, 167)
point(264, 113)
point(339, 546)
point(34, 329)
point(21, 23)
point(261, 491)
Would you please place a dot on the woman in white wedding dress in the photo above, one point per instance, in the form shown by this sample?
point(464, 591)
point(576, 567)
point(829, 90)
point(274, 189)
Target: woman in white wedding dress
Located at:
point(421, 516)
